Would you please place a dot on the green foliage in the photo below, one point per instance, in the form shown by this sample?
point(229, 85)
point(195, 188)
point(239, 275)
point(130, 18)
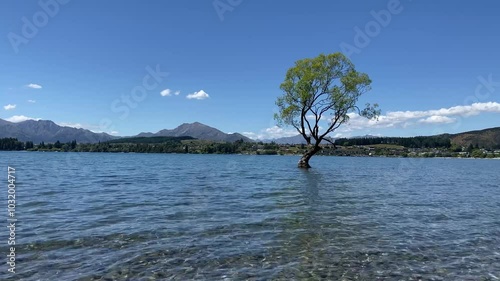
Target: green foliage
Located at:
point(29, 145)
point(72, 145)
point(456, 148)
point(151, 145)
point(327, 84)
point(478, 153)
point(390, 147)
point(11, 144)
point(470, 148)
point(411, 142)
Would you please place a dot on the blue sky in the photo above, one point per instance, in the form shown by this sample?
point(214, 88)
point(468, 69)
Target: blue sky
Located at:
point(435, 66)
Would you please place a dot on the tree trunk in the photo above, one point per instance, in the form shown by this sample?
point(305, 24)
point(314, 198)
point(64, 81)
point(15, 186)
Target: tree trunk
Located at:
point(304, 160)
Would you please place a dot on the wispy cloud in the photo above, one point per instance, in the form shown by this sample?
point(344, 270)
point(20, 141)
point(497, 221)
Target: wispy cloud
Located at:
point(92, 128)
point(438, 116)
point(9, 106)
point(436, 119)
point(271, 133)
point(168, 92)
point(312, 118)
point(200, 95)
point(34, 86)
point(31, 101)
point(20, 118)
point(72, 125)
point(251, 135)
point(392, 119)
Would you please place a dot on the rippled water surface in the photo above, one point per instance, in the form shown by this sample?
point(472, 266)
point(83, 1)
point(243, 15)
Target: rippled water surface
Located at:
point(235, 217)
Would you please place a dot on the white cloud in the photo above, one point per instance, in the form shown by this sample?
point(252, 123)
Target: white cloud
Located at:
point(280, 132)
point(200, 95)
point(271, 133)
point(341, 135)
point(406, 118)
point(312, 118)
point(392, 119)
point(20, 118)
point(31, 101)
point(9, 107)
point(251, 135)
point(34, 86)
point(92, 128)
point(436, 119)
point(72, 125)
point(166, 93)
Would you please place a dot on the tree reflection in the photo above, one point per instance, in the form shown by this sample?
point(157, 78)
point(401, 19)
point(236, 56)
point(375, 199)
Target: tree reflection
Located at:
point(306, 233)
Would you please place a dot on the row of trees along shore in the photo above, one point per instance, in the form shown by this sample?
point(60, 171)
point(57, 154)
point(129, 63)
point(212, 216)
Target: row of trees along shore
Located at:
point(395, 147)
point(12, 144)
point(410, 142)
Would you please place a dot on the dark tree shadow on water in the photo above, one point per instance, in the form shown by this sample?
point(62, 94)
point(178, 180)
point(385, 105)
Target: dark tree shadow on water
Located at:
point(303, 250)
point(318, 240)
point(311, 186)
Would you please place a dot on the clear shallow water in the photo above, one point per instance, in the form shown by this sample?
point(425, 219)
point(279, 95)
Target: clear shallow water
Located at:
point(217, 217)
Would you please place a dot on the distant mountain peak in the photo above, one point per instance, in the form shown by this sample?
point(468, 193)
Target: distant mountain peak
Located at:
point(199, 131)
point(48, 131)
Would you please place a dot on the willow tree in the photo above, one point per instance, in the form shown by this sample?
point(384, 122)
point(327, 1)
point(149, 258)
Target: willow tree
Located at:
point(321, 89)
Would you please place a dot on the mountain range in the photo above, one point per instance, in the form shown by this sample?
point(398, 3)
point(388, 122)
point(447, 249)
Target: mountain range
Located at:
point(198, 131)
point(489, 138)
point(50, 132)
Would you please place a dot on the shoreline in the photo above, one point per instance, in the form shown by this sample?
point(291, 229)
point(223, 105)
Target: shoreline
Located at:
point(298, 155)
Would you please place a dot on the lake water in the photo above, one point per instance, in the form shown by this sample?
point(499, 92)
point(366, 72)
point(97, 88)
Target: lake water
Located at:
point(99, 216)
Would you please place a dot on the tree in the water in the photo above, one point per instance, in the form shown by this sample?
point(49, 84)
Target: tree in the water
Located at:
point(323, 88)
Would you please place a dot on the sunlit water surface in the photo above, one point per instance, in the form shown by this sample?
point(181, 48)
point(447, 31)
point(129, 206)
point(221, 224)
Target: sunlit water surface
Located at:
point(99, 216)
